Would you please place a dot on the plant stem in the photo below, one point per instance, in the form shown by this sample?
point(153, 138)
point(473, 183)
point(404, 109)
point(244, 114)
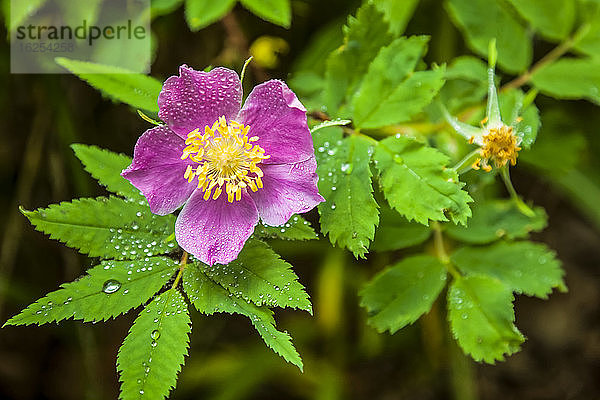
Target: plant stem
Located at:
point(549, 58)
point(440, 250)
point(182, 265)
point(463, 377)
point(524, 208)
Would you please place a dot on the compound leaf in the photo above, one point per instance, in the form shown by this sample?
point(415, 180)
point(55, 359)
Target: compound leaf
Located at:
point(481, 316)
point(525, 267)
point(466, 83)
point(349, 214)
point(364, 35)
point(405, 100)
point(137, 90)
point(258, 275)
point(400, 93)
point(397, 13)
point(153, 352)
point(542, 15)
point(209, 297)
point(570, 78)
point(106, 167)
point(297, 228)
point(498, 219)
point(400, 294)
point(589, 43)
point(108, 290)
point(417, 184)
point(108, 227)
point(484, 20)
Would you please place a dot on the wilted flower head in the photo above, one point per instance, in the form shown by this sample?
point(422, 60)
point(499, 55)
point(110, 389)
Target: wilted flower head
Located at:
point(228, 164)
point(499, 143)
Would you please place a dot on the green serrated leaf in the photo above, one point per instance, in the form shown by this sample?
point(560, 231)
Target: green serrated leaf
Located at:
point(106, 167)
point(297, 228)
point(108, 227)
point(153, 352)
point(417, 183)
point(395, 232)
point(276, 11)
point(364, 35)
point(589, 43)
point(481, 316)
point(466, 83)
point(484, 20)
point(498, 219)
point(400, 92)
point(137, 90)
point(544, 16)
point(401, 293)
point(403, 102)
point(109, 289)
point(349, 214)
point(260, 276)
point(397, 13)
point(468, 68)
point(570, 78)
point(525, 267)
point(201, 13)
point(209, 297)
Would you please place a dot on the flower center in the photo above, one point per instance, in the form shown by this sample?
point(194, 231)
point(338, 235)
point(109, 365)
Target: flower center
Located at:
point(499, 145)
point(227, 159)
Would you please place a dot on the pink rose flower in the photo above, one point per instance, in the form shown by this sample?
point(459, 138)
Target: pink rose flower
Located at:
point(227, 164)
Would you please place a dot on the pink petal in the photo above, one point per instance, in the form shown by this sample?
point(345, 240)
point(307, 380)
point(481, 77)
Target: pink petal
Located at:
point(157, 170)
point(214, 230)
point(287, 189)
point(195, 99)
point(277, 117)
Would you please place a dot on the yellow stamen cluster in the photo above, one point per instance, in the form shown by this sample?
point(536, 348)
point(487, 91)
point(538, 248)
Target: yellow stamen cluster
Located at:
point(500, 145)
point(227, 159)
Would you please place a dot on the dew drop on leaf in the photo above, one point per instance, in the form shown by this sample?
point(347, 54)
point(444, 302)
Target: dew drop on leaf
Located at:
point(347, 168)
point(155, 334)
point(111, 286)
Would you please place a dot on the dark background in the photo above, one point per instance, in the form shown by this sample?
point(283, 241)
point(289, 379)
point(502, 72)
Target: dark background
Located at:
point(344, 359)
